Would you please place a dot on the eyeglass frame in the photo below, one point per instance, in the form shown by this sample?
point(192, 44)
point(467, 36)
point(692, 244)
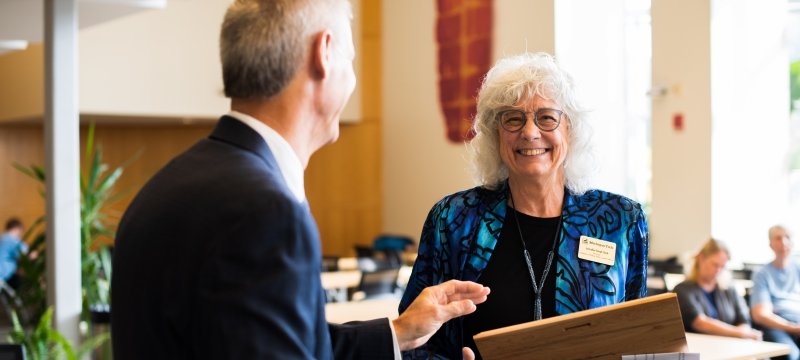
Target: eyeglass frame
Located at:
point(501, 112)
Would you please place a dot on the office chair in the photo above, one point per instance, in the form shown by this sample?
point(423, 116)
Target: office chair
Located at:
point(392, 247)
point(11, 302)
point(377, 284)
point(12, 352)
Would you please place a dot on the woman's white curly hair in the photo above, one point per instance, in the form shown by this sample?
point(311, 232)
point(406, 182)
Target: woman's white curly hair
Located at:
point(511, 81)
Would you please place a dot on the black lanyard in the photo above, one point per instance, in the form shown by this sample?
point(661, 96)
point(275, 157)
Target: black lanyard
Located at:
point(537, 288)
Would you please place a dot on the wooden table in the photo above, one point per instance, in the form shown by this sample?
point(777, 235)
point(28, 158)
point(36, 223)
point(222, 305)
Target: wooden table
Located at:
point(713, 347)
point(669, 281)
point(336, 283)
point(362, 310)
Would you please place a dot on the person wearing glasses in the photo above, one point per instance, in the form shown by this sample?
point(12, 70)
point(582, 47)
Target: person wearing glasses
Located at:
point(707, 304)
point(533, 231)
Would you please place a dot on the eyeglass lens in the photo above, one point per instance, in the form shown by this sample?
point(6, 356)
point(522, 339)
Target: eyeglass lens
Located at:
point(545, 119)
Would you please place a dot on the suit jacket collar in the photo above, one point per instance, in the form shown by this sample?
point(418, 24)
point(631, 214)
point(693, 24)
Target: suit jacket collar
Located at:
point(234, 132)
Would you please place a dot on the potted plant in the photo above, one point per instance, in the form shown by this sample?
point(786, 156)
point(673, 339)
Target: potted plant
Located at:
point(96, 192)
point(44, 342)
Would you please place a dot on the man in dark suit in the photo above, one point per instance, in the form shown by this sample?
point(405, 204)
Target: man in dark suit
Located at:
point(218, 256)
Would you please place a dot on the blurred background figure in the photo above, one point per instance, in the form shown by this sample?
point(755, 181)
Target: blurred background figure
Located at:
point(775, 300)
point(11, 246)
point(707, 304)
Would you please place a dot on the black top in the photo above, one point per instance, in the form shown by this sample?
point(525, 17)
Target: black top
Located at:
point(512, 299)
point(723, 304)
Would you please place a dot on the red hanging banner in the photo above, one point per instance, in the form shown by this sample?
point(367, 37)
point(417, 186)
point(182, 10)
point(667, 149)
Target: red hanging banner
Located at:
point(464, 39)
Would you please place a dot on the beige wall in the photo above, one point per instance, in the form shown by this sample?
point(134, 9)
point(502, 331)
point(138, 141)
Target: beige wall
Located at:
point(419, 165)
point(681, 159)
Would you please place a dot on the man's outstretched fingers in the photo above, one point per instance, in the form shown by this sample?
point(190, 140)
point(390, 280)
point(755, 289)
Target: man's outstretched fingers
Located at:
point(460, 308)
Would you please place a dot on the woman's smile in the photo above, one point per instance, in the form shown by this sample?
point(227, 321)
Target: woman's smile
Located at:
point(532, 152)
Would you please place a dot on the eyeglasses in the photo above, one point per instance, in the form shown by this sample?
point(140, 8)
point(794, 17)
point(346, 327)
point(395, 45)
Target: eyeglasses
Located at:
point(513, 120)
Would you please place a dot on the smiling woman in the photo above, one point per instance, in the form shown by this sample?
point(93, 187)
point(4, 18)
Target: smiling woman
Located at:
point(533, 229)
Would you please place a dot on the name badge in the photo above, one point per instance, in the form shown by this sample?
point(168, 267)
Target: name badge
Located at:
point(597, 250)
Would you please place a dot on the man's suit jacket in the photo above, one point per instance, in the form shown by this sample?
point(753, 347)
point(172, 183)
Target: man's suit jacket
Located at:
point(216, 259)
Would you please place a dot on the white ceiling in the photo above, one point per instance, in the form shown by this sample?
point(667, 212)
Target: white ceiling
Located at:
point(22, 21)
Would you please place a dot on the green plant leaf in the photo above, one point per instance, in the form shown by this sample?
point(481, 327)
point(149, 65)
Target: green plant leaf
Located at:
point(62, 345)
point(108, 181)
point(91, 343)
point(89, 143)
point(97, 190)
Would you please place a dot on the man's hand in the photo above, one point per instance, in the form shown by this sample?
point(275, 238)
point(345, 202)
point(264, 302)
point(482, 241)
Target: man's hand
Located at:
point(433, 307)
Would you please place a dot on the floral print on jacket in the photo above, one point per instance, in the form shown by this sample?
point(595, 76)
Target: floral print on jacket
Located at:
point(461, 232)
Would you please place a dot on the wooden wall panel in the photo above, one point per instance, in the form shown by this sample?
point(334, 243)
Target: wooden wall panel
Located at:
point(344, 186)
point(344, 181)
point(19, 194)
point(154, 144)
point(144, 150)
point(24, 70)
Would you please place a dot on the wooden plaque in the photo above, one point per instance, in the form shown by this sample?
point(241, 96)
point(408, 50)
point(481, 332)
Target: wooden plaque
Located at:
point(649, 325)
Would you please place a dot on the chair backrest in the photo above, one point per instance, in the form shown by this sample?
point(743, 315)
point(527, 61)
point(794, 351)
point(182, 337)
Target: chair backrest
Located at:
point(364, 251)
point(378, 282)
point(392, 247)
point(660, 267)
point(330, 263)
point(752, 267)
point(12, 352)
point(392, 242)
point(744, 274)
point(672, 280)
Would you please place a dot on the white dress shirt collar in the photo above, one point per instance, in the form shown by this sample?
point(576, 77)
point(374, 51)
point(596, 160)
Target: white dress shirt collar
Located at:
point(288, 161)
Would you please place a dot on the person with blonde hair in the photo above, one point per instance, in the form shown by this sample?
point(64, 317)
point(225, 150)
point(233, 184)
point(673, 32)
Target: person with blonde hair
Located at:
point(531, 230)
point(707, 305)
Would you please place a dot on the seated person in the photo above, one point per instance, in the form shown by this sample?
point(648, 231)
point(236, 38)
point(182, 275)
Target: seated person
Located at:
point(775, 300)
point(706, 305)
point(11, 246)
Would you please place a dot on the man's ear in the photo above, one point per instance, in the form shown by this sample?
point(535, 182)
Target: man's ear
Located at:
point(321, 54)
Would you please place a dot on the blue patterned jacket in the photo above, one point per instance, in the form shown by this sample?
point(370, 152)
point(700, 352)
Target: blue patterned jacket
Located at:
point(462, 229)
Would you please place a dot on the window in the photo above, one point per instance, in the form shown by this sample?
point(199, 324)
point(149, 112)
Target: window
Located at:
point(607, 47)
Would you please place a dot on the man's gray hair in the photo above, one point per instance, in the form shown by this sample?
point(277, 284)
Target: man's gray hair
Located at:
point(263, 42)
point(515, 79)
point(774, 228)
